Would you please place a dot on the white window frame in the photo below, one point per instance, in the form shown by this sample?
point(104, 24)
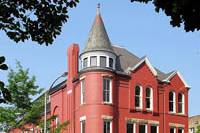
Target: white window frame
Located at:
point(110, 121)
point(173, 128)
point(86, 64)
point(146, 127)
point(182, 130)
point(82, 96)
point(157, 126)
point(110, 90)
point(140, 97)
point(183, 104)
point(56, 121)
point(82, 119)
point(174, 102)
point(134, 126)
point(151, 99)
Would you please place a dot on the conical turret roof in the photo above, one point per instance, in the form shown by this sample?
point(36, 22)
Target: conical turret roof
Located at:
point(98, 38)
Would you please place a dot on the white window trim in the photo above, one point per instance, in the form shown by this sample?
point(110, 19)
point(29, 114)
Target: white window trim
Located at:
point(173, 128)
point(57, 121)
point(146, 127)
point(157, 126)
point(108, 120)
point(83, 118)
point(151, 99)
point(181, 130)
point(110, 94)
point(174, 102)
point(134, 126)
point(82, 102)
point(183, 104)
point(141, 97)
point(98, 54)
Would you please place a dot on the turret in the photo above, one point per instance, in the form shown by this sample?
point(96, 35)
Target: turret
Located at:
point(98, 52)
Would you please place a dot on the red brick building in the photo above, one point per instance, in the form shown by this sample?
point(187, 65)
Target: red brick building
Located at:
point(115, 91)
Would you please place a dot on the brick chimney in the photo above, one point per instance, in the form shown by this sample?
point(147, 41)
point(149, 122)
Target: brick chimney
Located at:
point(73, 54)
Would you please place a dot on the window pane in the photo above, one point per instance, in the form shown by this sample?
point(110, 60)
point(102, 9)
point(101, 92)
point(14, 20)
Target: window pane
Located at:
point(153, 129)
point(180, 130)
point(137, 90)
point(171, 101)
point(129, 128)
point(106, 127)
point(137, 96)
point(106, 90)
point(171, 106)
point(102, 61)
point(93, 61)
point(172, 130)
point(148, 92)
point(180, 98)
point(82, 126)
point(141, 128)
point(82, 91)
point(111, 62)
point(171, 96)
point(147, 102)
point(180, 107)
point(85, 62)
point(137, 102)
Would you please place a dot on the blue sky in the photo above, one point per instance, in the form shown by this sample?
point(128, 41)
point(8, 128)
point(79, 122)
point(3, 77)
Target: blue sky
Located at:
point(136, 27)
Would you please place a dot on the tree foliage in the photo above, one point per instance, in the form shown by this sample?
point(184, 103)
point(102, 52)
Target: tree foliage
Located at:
point(39, 20)
point(198, 129)
point(4, 93)
point(186, 12)
point(22, 88)
point(54, 128)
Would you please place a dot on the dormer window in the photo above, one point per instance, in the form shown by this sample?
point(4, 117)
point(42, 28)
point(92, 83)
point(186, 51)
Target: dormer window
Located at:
point(93, 61)
point(85, 62)
point(102, 61)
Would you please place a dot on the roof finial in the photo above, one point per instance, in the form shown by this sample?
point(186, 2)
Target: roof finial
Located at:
point(98, 8)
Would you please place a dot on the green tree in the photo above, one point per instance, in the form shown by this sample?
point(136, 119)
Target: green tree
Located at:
point(4, 93)
point(38, 20)
point(55, 128)
point(22, 89)
point(198, 129)
point(185, 12)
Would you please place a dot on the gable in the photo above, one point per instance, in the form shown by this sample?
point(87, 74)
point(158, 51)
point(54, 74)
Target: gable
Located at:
point(178, 76)
point(147, 62)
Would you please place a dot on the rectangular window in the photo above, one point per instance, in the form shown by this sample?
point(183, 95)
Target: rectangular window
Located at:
point(102, 61)
point(142, 128)
point(154, 129)
point(93, 61)
point(129, 128)
point(138, 97)
point(83, 91)
point(110, 62)
point(107, 90)
point(83, 126)
point(172, 130)
point(85, 62)
point(107, 126)
point(180, 130)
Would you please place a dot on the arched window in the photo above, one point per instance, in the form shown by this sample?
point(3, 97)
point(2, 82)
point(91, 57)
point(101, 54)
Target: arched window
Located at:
point(172, 102)
point(180, 103)
point(138, 97)
point(149, 99)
